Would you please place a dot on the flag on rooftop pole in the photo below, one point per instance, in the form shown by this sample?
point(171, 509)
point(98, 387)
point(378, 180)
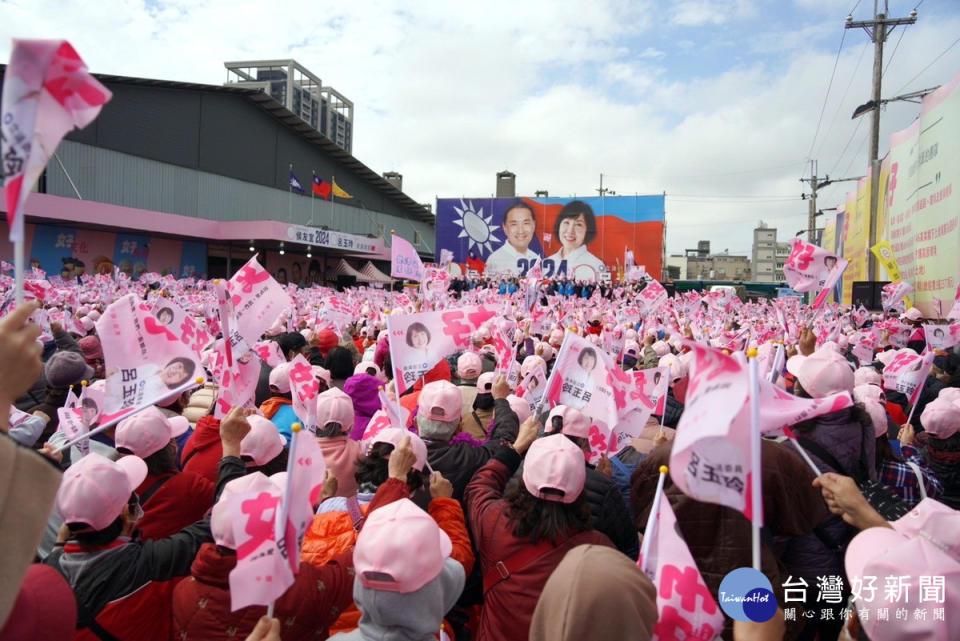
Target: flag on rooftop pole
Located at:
point(294, 183)
point(338, 191)
point(47, 92)
point(321, 187)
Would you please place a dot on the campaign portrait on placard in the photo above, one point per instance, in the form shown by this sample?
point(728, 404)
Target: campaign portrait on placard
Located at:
point(581, 239)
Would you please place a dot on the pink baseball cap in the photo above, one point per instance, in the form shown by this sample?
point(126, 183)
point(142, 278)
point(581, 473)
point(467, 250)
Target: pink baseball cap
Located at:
point(321, 373)
point(677, 369)
point(366, 367)
point(394, 435)
point(912, 314)
point(661, 348)
point(545, 351)
point(149, 431)
point(631, 348)
point(869, 396)
point(335, 406)
point(885, 552)
point(951, 394)
point(520, 407)
point(530, 363)
point(593, 316)
point(440, 401)
point(574, 422)
point(95, 489)
point(263, 442)
point(485, 383)
point(400, 549)
point(222, 516)
point(280, 377)
point(554, 463)
point(935, 522)
point(556, 337)
point(867, 376)
point(941, 418)
point(822, 373)
point(886, 356)
point(630, 335)
point(469, 365)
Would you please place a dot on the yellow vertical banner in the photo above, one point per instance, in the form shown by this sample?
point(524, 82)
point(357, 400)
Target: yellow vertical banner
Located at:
point(856, 237)
point(885, 256)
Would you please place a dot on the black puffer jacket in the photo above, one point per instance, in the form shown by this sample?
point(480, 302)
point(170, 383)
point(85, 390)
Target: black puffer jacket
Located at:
point(609, 512)
point(459, 461)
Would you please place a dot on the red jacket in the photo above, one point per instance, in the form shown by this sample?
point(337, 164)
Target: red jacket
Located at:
point(508, 605)
point(201, 604)
point(182, 499)
point(203, 450)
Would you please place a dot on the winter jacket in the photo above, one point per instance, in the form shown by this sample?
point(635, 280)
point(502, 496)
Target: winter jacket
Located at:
point(178, 500)
point(509, 604)
point(475, 423)
point(609, 512)
point(363, 390)
point(946, 465)
point(62, 342)
point(201, 403)
point(340, 454)
point(333, 533)
point(202, 452)
point(54, 399)
point(458, 462)
point(201, 604)
point(124, 587)
point(849, 442)
point(719, 537)
point(262, 392)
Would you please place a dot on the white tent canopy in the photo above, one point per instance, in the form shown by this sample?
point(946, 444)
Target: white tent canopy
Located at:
point(343, 268)
point(374, 274)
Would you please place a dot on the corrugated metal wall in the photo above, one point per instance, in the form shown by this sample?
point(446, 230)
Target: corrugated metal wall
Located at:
point(131, 181)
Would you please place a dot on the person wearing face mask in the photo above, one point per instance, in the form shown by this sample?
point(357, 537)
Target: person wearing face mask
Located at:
point(122, 584)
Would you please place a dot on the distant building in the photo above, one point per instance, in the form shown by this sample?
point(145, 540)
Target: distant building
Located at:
point(677, 267)
point(702, 265)
point(768, 255)
point(299, 90)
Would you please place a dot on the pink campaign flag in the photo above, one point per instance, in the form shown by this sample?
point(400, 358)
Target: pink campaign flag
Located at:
point(47, 92)
point(833, 277)
point(711, 459)
point(236, 383)
point(653, 383)
point(893, 293)
point(686, 608)
point(305, 470)
point(257, 301)
point(304, 387)
point(652, 297)
point(587, 378)
point(808, 267)
point(404, 260)
point(145, 357)
point(262, 573)
point(955, 310)
point(907, 371)
point(420, 341)
point(942, 336)
point(533, 386)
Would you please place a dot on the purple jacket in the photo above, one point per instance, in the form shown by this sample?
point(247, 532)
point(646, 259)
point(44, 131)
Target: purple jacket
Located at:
point(362, 390)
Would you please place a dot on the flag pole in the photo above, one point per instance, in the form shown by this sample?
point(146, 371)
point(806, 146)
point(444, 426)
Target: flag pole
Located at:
point(280, 524)
point(290, 195)
point(648, 532)
point(313, 182)
point(756, 464)
point(18, 269)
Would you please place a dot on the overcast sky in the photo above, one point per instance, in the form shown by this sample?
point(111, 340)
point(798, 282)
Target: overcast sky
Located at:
point(715, 102)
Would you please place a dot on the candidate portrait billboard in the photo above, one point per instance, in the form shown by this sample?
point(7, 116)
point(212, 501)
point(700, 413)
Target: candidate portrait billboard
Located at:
point(575, 238)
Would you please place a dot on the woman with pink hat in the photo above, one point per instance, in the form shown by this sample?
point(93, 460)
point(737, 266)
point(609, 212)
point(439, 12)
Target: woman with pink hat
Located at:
point(523, 535)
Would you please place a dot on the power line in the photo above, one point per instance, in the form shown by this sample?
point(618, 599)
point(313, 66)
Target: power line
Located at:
point(836, 114)
point(827, 95)
point(942, 54)
point(897, 46)
point(847, 146)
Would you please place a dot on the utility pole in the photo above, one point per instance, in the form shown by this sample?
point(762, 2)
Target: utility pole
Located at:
point(878, 29)
point(603, 192)
point(817, 183)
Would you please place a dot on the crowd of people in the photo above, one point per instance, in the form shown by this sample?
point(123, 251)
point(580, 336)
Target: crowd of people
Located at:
point(481, 517)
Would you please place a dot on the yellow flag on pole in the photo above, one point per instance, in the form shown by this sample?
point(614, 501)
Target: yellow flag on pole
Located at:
point(338, 190)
